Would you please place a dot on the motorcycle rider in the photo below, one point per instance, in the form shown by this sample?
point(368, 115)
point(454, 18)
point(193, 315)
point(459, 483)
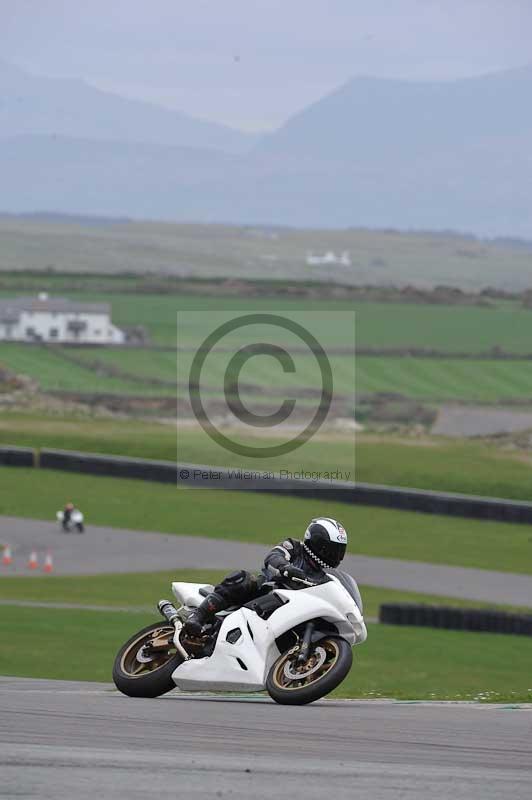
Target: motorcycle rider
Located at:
point(67, 513)
point(323, 548)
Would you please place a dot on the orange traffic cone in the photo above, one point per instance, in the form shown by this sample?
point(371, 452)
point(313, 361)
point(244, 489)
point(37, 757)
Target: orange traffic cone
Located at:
point(7, 558)
point(33, 561)
point(48, 563)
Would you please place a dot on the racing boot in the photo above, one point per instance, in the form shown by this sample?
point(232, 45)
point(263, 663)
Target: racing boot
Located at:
point(203, 614)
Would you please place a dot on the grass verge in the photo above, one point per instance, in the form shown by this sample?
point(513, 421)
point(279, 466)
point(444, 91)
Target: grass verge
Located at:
point(266, 519)
point(409, 663)
point(461, 466)
point(405, 663)
point(144, 589)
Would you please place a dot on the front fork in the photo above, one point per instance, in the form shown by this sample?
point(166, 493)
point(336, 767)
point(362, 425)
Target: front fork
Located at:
point(305, 643)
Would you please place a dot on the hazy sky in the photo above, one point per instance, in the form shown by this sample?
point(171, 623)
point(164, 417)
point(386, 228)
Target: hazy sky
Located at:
point(252, 63)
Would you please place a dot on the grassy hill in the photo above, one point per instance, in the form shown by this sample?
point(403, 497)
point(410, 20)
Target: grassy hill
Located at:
point(377, 257)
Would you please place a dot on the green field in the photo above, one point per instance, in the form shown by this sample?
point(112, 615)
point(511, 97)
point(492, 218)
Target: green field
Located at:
point(266, 519)
point(468, 329)
point(142, 590)
point(391, 325)
point(483, 381)
point(449, 329)
point(404, 663)
point(432, 380)
point(55, 373)
point(470, 467)
point(153, 248)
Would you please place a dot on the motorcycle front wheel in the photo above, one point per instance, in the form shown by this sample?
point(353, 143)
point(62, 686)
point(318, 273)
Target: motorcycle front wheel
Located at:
point(290, 683)
point(144, 664)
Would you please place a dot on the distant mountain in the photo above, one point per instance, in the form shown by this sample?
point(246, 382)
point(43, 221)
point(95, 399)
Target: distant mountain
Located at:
point(379, 120)
point(375, 153)
point(114, 179)
point(431, 155)
point(59, 217)
point(63, 107)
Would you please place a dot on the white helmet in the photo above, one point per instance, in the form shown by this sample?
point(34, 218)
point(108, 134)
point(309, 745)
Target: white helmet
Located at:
point(326, 541)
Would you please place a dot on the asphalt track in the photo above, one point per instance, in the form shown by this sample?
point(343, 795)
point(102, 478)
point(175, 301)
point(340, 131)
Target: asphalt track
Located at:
point(66, 740)
point(112, 550)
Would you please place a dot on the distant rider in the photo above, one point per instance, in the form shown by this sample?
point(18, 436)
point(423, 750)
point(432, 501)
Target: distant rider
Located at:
point(323, 548)
point(67, 513)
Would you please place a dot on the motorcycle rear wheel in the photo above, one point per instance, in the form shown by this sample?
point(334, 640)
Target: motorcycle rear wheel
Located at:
point(139, 671)
point(328, 664)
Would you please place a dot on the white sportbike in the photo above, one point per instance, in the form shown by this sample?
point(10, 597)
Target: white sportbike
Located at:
point(75, 523)
point(296, 644)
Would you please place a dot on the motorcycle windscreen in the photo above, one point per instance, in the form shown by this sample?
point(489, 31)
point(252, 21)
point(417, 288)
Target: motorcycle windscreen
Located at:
point(349, 584)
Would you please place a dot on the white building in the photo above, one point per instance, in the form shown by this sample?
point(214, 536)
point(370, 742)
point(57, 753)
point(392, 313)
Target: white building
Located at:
point(329, 257)
point(47, 319)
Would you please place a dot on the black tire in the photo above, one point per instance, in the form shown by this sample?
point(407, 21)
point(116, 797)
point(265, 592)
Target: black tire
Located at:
point(339, 656)
point(157, 679)
point(80, 527)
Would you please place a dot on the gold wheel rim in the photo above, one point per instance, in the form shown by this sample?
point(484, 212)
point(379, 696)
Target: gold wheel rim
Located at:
point(281, 681)
point(137, 665)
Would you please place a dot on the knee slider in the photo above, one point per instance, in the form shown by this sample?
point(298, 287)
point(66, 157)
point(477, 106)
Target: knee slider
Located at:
point(235, 578)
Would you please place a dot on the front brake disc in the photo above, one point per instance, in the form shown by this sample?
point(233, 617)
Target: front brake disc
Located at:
point(299, 674)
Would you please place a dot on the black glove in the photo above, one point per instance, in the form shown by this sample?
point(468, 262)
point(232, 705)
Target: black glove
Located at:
point(290, 572)
point(192, 627)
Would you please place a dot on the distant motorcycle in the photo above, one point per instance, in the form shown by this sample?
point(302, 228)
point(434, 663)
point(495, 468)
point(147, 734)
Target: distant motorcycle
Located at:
point(74, 523)
point(296, 644)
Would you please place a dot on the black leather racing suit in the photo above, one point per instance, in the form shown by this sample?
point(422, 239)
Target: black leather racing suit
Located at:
point(67, 513)
point(240, 587)
point(293, 552)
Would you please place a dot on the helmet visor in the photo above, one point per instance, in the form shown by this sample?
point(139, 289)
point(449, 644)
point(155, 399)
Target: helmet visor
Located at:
point(335, 551)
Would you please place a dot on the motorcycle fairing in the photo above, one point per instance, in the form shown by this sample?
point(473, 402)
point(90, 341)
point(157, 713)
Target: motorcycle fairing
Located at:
point(232, 667)
point(189, 593)
point(244, 664)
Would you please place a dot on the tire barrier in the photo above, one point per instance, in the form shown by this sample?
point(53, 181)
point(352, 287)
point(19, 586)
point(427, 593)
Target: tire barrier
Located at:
point(445, 503)
point(112, 466)
point(17, 456)
point(392, 497)
point(456, 619)
point(198, 476)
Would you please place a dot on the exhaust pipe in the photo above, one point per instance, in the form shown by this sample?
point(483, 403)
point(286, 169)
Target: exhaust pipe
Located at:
point(170, 613)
